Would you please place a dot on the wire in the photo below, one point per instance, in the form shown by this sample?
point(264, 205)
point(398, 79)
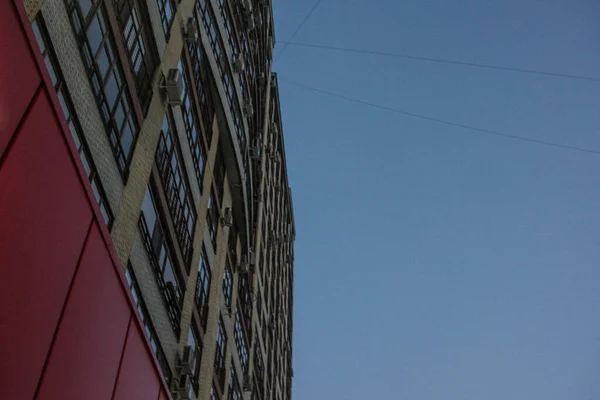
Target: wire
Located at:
point(440, 60)
point(440, 121)
point(286, 44)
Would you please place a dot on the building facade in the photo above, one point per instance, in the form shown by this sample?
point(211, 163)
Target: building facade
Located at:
point(174, 111)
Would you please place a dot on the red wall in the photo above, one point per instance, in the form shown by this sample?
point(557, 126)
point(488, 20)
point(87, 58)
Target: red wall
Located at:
point(68, 328)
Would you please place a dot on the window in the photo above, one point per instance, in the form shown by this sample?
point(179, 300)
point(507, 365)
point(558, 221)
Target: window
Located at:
point(64, 98)
point(235, 392)
point(212, 218)
point(219, 173)
point(240, 342)
point(176, 187)
point(140, 44)
point(259, 368)
point(106, 77)
point(148, 327)
point(160, 258)
point(166, 8)
point(196, 347)
point(244, 298)
point(214, 393)
point(202, 79)
point(203, 288)
point(208, 19)
point(192, 130)
point(227, 284)
point(220, 353)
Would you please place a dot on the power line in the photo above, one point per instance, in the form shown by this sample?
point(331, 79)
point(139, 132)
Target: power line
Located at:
point(439, 60)
point(286, 44)
point(439, 121)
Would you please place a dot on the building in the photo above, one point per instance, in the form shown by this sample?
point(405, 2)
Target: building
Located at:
point(174, 111)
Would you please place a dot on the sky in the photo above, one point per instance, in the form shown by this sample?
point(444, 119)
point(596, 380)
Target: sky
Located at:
point(434, 262)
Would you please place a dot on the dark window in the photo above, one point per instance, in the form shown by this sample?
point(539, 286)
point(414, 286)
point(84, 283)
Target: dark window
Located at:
point(245, 298)
point(203, 288)
point(212, 217)
point(106, 77)
point(235, 393)
point(240, 342)
point(166, 8)
point(140, 44)
point(64, 98)
point(176, 187)
point(219, 173)
point(201, 75)
point(208, 19)
point(259, 368)
point(214, 393)
point(220, 353)
point(196, 346)
point(160, 258)
point(148, 327)
point(227, 284)
point(192, 129)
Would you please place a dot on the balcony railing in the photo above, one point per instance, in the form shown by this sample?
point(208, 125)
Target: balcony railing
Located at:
point(178, 198)
point(167, 290)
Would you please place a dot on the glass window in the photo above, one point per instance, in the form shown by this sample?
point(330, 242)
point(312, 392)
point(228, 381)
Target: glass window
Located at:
point(170, 164)
point(203, 287)
point(220, 352)
point(149, 211)
point(104, 72)
point(195, 344)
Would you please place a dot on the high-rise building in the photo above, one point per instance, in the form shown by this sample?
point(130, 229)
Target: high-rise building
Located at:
point(174, 111)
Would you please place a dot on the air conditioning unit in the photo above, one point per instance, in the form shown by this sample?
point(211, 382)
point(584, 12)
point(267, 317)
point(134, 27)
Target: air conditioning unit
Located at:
point(173, 85)
point(248, 108)
point(181, 387)
point(250, 21)
point(258, 20)
point(255, 148)
point(190, 29)
point(262, 80)
point(243, 267)
point(186, 361)
point(238, 64)
point(248, 384)
point(227, 217)
point(272, 323)
point(255, 152)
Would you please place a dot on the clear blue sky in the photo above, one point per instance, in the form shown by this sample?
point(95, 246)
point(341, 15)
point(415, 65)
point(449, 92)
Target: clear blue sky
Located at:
point(433, 262)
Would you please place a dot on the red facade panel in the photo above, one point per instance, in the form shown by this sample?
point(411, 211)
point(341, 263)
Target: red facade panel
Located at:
point(163, 396)
point(44, 216)
point(68, 328)
point(138, 380)
point(19, 77)
point(89, 353)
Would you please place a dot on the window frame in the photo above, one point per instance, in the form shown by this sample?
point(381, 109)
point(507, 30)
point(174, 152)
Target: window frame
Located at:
point(171, 167)
point(126, 131)
point(158, 246)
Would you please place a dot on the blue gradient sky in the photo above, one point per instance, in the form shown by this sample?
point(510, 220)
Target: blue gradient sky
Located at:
point(434, 262)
